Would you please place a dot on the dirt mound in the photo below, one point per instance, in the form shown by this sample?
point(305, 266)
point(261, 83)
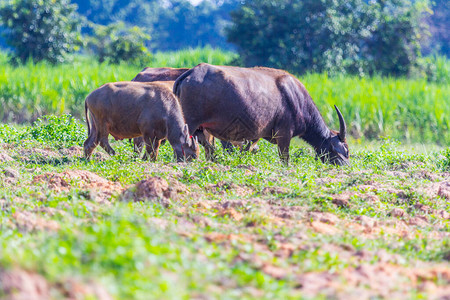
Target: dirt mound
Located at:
point(382, 280)
point(19, 285)
point(27, 221)
point(101, 188)
point(154, 189)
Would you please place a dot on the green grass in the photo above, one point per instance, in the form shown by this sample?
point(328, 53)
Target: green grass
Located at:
point(232, 218)
point(410, 110)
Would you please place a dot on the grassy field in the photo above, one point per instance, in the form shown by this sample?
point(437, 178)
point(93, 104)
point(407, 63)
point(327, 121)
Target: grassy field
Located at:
point(411, 110)
point(245, 227)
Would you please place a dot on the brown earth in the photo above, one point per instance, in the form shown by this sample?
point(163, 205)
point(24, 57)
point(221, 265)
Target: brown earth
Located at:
point(18, 284)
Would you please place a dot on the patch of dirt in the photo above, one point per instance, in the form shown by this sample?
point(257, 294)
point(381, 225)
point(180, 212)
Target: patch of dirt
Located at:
point(274, 271)
point(51, 211)
point(419, 221)
point(380, 280)
point(397, 213)
point(101, 188)
point(73, 289)
point(4, 157)
point(39, 155)
point(230, 213)
point(74, 151)
point(9, 176)
point(20, 285)
point(274, 190)
point(27, 221)
point(155, 189)
point(216, 237)
point(424, 174)
point(323, 217)
point(444, 190)
point(324, 228)
point(329, 180)
point(222, 187)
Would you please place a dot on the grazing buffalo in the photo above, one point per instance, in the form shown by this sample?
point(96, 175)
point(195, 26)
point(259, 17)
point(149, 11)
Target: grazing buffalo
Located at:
point(246, 104)
point(206, 139)
point(151, 75)
point(131, 109)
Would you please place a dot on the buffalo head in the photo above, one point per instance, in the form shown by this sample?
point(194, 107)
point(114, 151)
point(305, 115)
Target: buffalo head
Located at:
point(189, 146)
point(335, 148)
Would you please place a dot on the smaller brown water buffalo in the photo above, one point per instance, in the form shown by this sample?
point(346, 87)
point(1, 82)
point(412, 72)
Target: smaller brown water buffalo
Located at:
point(170, 74)
point(131, 109)
point(150, 75)
point(246, 104)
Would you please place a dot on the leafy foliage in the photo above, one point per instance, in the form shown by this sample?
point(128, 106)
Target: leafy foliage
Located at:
point(116, 42)
point(58, 131)
point(439, 22)
point(327, 35)
point(41, 29)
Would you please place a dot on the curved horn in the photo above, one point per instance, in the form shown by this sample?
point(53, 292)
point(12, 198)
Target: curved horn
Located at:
point(342, 126)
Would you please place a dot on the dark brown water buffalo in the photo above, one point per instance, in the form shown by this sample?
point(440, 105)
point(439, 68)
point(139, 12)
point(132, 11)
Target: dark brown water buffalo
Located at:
point(159, 74)
point(131, 109)
point(237, 104)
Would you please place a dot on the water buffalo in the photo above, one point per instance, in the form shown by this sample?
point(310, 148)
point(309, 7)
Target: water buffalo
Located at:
point(237, 104)
point(207, 140)
point(158, 74)
point(155, 74)
point(131, 109)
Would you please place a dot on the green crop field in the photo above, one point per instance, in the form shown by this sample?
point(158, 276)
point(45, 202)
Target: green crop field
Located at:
point(243, 227)
point(412, 110)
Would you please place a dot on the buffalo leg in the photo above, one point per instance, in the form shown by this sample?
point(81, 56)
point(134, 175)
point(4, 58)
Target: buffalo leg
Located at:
point(227, 146)
point(90, 144)
point(138, 144)
point(252, 146)
point(207, 141)
point(283, 148)
point(103, 140)
point(152, 148)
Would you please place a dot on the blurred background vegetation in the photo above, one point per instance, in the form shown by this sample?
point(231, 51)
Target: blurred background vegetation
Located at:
point(384, 62)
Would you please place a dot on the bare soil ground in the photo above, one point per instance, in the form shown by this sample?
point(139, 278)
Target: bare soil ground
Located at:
point(258, 230)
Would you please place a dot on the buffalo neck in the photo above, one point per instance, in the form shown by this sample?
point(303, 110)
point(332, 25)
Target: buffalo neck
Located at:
point(316, 130)
point(175, 124)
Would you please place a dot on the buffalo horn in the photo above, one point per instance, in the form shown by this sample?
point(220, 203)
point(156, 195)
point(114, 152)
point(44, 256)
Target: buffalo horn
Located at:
point(342, 126)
